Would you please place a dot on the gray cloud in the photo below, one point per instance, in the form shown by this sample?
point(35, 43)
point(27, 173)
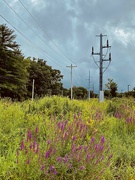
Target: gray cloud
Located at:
point(71, 25)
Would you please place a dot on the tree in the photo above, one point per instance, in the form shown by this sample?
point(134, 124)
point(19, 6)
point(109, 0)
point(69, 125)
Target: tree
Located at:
point(13, 66)
point(80, 93)
point(47, 80)
point(112, 88)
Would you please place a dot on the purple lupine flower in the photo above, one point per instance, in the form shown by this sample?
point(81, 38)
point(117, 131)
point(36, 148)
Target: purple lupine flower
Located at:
point(92, 140)
point(97, 147)
point(29, 135)
point(22, 145)
point(69, 166)
point(102, 139)
point(74, 116)
point(59, 159)
point(65, 135)
point(73, 148)
point(28, 161)
point(31, 145)
point(55, 172)
point(65, 159)
point(74, 138)
point(101, 148)
point(102, 158)
point(36, 130)
point(42, 168)
point(88, 156)
point(34, 144)
point(52, 168)
point(85, 148)
point(37, 148)
point(49, 142)
point(47, 154)
point(82, 168)
point(80, 147)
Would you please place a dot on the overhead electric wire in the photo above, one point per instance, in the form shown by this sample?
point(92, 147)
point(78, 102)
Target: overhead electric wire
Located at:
point(36, 34)
point(29, 40)
point(33, 44)
point(45, 32)
point(31, 29)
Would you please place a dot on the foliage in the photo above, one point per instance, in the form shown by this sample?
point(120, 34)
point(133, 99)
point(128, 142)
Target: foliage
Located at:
point(55, 138)
point(13, 66)
point(112, 88)
point(17, 73)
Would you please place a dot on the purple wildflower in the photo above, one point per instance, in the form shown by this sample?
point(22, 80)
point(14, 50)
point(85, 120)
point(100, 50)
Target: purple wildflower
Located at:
point(74, 138)
point(59, 159)
point(36, 130)
point(22, 145)
point(29, 135)
point(92, 140)
point(102, 139)
point(47, 154)
point(49, 142)
point(80, 147)
point(28, 162)
point(69, 166)
point(82, 168)
point(42, 168)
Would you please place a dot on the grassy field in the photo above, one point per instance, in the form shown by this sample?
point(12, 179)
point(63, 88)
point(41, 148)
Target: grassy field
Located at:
point(55, 138)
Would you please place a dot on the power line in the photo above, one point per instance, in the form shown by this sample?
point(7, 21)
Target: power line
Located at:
point(45, 32)
point(33, 44)
point(31, 29)
point(28, 40)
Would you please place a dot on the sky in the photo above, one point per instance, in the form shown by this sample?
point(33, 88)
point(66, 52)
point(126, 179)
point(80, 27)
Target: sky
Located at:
point(63, 32)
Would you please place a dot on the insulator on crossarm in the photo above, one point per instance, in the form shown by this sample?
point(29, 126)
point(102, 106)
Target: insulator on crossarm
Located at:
point(92, 50)
point(109, 56)
point(107, 43)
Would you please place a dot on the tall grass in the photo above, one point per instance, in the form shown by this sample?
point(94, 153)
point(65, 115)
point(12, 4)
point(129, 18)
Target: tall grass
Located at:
point(55, 138)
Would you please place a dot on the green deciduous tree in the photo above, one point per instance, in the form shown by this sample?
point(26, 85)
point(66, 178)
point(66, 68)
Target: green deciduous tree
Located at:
point(80, 93)
point(47, 80)
point(112, 88)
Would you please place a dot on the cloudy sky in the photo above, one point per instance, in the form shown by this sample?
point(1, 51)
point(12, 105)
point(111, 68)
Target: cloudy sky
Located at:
point(62, 32)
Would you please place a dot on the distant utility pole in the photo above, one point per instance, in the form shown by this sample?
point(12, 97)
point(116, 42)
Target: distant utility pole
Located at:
point(128, 88)
point(33, 83)
point(71, 79)
point(89, 87)
point(101, 93)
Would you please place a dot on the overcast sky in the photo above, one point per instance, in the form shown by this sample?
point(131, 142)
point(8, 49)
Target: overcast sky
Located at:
point(62, 32)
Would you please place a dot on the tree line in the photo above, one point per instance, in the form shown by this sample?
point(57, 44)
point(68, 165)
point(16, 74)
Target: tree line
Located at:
point(17, 74)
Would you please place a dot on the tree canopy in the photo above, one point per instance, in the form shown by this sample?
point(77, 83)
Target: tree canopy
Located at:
point(18, 72)
point(112, 88)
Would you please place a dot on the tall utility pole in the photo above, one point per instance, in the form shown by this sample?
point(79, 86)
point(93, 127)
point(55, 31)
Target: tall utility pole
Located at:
point(71, 79)
point(101, 93)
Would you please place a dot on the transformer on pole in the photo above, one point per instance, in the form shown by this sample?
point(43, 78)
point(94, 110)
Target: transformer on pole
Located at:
point(101, 92)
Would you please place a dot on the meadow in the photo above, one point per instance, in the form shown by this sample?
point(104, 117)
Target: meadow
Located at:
point(54, 138)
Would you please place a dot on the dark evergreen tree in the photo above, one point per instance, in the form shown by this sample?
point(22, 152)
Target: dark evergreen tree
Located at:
point(13, 66)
